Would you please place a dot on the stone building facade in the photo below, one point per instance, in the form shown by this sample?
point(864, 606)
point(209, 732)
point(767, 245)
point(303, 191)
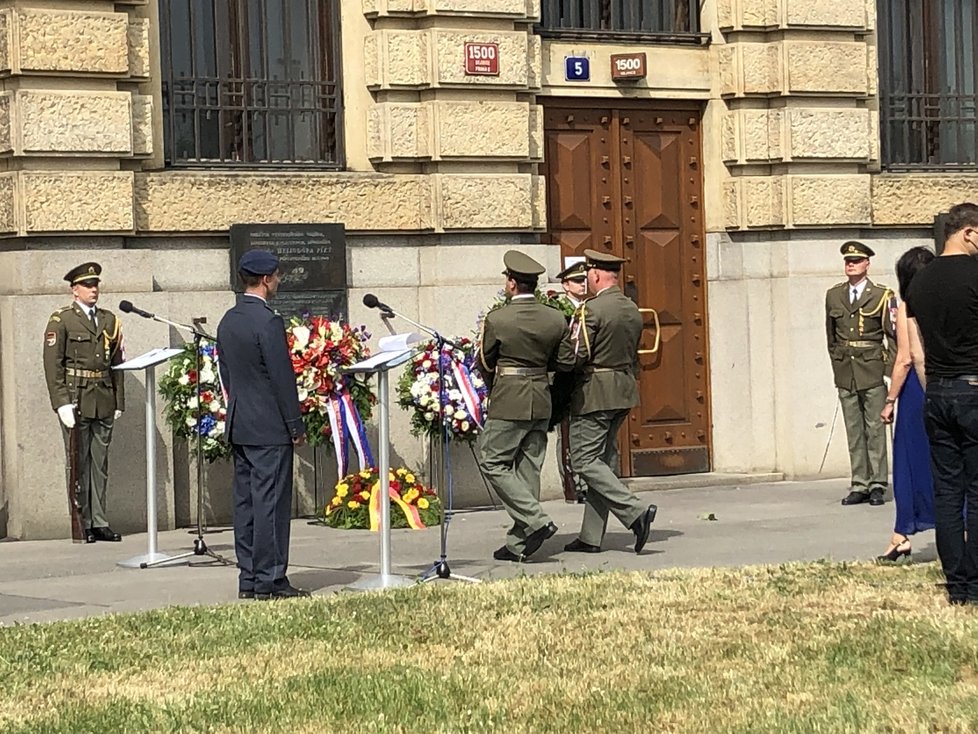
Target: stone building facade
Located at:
point(441, 172)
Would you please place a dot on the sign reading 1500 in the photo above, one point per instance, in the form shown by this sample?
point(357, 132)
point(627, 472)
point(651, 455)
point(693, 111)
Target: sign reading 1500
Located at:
point(482, 59)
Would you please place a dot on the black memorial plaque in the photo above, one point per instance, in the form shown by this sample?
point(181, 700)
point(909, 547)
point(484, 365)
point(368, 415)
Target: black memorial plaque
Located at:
point(331, 304)
point(313, 256)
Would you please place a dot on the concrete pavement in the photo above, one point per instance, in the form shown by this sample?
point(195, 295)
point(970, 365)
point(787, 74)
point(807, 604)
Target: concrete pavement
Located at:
point(776, 522)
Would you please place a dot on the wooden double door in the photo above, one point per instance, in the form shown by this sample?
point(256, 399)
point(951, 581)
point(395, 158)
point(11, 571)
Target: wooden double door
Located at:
point(628, 180)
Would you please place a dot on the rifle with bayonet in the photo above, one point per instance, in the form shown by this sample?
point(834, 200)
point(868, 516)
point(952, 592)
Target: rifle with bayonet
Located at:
point(74, 487)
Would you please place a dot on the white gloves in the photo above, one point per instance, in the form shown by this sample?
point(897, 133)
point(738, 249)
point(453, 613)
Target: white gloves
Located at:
point(67, 415)
point(118, 414)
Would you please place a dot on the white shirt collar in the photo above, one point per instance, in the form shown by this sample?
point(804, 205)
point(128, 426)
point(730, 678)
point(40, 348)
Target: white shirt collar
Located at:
point(859, 287)
point(87, 310)
point(255, 295)
point(522, 295)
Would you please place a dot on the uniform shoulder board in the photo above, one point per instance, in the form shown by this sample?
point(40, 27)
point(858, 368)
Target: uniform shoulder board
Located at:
point(56, 316)
point(843, 284)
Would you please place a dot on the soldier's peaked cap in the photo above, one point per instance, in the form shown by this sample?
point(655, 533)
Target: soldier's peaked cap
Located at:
point(519, 264)
point(258, 262)
point(83, 272)
point(577, 271)
point(603, 260)
point(853, 250)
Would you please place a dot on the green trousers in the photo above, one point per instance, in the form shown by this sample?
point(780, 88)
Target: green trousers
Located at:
point(511, 455)
point(94, 435)
point(867, 437)
point(594, 456)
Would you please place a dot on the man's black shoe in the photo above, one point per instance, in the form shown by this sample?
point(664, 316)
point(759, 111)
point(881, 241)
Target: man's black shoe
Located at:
point(245, 594)
point(876, 496)
point(643, 526)
point(855, 498)
point(535, 539)
point(505, 554)
point(90, 535)
point(286, 592)
point(579, 546)
point(107, 534)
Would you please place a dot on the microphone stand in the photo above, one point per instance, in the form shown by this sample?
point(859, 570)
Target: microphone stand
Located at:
point(439, 568)
point(200, 547)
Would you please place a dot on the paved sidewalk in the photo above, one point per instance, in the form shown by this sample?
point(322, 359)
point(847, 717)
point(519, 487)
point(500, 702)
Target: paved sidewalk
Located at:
point(755, 524)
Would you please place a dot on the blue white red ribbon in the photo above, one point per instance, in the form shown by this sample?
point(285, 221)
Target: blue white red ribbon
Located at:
point(346, 426)
point(470, 396)
point(357, 432)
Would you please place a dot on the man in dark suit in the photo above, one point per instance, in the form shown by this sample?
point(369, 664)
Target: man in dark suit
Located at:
point(263, 426)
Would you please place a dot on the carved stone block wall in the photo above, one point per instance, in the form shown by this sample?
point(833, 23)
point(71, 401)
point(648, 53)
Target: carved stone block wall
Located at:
point(799, 79)
point(77, 41)
point(83, 201)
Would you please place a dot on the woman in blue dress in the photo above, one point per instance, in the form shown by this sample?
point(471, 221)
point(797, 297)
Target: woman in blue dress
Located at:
point(913, 485)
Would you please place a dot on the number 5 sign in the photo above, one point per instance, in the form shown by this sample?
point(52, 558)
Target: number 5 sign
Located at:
point(481, 59)
point(577, 68)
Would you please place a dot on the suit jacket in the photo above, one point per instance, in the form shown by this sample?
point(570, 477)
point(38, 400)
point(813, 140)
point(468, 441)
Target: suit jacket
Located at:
point(868, 323)
point(602, 347)
point(523, 333)
point(256, 371)
point(78, 358)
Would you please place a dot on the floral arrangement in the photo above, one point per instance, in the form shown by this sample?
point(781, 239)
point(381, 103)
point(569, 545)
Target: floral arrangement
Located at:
point(549, 297)
point(319, 349)
point(179, 390)
point(356, 501)
point(463, 398)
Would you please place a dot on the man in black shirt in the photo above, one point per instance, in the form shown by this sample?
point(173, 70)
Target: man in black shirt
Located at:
point(944, 299)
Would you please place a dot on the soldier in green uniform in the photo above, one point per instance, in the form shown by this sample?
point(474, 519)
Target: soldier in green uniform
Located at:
point(518, 346)
point(573, 280)
point(858, 315)
point(602, 348)
point(81, 343)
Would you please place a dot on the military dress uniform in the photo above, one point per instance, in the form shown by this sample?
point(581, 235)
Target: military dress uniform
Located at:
point(263, 424)
point(856, 328)
point(602, 348)
point(563, 386)
point(518, 346)
point(80, 348)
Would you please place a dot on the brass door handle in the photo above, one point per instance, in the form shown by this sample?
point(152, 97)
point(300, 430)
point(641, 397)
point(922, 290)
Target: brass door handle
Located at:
point(658, 330)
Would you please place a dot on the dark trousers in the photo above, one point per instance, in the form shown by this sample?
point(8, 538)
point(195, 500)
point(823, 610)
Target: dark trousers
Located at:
point(94, 436)
point(952, 425)
point(262, 515)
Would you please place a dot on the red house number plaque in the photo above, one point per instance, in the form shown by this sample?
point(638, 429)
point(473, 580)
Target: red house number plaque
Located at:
point(481, 59)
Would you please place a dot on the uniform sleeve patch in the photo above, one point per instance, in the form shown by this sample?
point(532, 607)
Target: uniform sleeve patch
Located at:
point(51, 338)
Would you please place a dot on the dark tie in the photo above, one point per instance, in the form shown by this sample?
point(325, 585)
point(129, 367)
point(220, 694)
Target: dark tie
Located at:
point(855, 295)
point(91, 315)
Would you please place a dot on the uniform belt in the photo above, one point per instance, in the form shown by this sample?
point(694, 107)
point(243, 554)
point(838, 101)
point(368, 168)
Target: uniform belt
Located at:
point(520, 371)
point(90, 374)
point(607, 369)
point(862, 344)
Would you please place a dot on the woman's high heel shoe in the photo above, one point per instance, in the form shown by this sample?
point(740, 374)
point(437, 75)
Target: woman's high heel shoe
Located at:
point(898, 554)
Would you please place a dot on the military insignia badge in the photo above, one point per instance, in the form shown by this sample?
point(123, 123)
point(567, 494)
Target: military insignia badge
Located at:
point(51, 338)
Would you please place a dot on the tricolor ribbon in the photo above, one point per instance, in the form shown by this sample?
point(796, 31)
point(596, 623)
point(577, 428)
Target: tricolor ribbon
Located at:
point(336, 431)
point(411, 513)
point(346, 425)
point(470, 396)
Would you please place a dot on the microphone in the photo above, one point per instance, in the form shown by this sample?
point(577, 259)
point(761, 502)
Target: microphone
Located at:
point(371, 301)
point(127, 307)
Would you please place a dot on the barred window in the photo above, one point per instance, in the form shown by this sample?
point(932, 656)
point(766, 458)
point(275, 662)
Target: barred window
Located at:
point(251, 83)
point(928, 56)
point(620, 18)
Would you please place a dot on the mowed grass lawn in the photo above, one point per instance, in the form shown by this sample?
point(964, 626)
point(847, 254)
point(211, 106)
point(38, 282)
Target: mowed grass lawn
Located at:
point(801, 648)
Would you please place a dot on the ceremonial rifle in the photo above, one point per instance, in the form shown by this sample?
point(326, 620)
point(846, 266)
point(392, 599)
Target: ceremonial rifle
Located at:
point(74, 484)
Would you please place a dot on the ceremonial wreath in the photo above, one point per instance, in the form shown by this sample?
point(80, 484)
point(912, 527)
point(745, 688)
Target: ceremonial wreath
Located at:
point(459, 404)
point(179, 390)
point(356, 501)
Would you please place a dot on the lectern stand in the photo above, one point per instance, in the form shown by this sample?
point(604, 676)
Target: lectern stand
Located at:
point(381, 364)
point(148, 362)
